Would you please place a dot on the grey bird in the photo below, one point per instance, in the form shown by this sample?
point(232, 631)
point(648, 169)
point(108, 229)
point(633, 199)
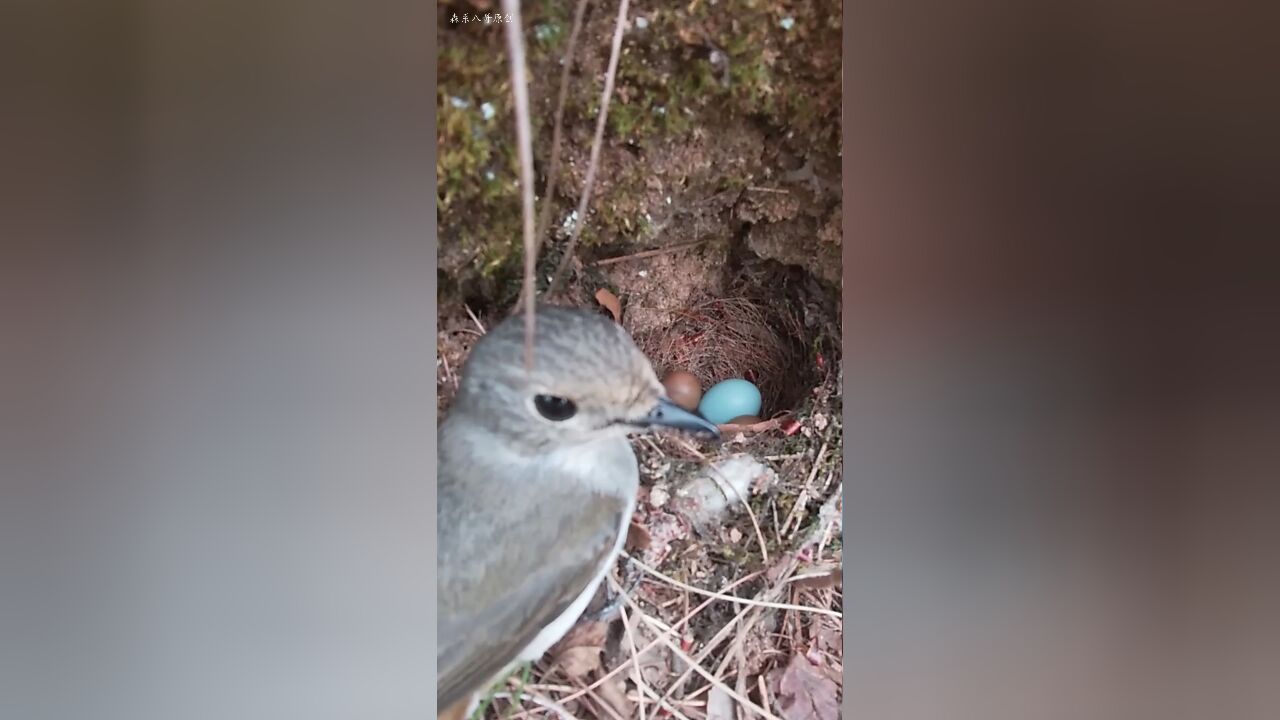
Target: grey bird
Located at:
point(537, 483)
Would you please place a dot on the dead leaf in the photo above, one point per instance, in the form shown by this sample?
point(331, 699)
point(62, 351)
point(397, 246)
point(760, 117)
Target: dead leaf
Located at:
point(655, 663)
point(615, 693)
point(762, 426)
point(611, 303)
point(775, 571)
point(719, 704)
point(577, 654)
point(588, 633)
point(578, 662)
point(830, 638)
point(806, 693)
point(819, 577)
point(637, 537)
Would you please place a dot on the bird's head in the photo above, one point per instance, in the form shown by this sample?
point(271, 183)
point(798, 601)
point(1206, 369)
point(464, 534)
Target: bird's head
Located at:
point(588, 381)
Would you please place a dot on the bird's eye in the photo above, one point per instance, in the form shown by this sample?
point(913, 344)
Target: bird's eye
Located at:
point(556, 409)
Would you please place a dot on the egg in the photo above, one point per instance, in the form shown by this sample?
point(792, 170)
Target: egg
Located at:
point(683, 388)
point(730, 399)
point(744, 420)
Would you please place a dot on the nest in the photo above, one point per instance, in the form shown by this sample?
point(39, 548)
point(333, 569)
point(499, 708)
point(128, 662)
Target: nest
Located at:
point(737, 337)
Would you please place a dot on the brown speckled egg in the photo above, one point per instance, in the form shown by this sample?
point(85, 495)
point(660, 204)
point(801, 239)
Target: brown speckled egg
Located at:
point(744, 420)
point(684, 389)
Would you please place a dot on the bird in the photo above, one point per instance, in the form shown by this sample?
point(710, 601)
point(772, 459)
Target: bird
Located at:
point(536, 485)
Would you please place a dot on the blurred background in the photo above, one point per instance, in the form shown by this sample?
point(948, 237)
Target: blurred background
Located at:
point(1059, 357)
point(216, 416)
point(1060, 392)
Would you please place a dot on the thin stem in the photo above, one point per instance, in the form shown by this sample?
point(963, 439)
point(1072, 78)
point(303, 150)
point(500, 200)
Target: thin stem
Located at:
point(524, 146)
point(553, 171)
point(596, 142)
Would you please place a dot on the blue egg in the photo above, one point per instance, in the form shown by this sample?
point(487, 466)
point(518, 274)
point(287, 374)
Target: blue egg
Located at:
point(728, 400)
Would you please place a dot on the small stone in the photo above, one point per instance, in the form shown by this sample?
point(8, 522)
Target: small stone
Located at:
point(820, 421)
point(735, 535)
point(659, 495)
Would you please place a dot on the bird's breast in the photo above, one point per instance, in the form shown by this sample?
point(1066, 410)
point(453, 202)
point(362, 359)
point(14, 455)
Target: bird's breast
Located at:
point(608, 465)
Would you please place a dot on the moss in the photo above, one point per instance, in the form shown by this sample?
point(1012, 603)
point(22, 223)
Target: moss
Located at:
point(551, 20)
point(668, 85)
point(477, 167)
point(669, 72)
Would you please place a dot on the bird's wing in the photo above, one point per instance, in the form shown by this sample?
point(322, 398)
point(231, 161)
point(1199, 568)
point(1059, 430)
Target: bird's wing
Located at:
point(488, 615)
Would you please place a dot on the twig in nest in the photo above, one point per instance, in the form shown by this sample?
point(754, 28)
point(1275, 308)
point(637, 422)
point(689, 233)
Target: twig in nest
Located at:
point(544, 218)
point(652, 644)
point(785, 567)
point(638, 674)
point(594, 162)
point(828, 518)
point(448, 373)
point(662, 702)
point(475, 320)
point(730, 598)
point(708, 648)
point(746, 503)
point(543, 687)
point(536, 699)
point(688, 447)
point(524, 146)
point(740, 651)
point(765, 695)
point(762, 426)
point(675, 649)
point(648, 253)
point(604, 705)
point(649, 441)
point(803, 498)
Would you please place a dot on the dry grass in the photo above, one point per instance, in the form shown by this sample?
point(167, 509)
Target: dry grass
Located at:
point(524, 146)
point(736, 337)
point(697, 628)
point(720, 618)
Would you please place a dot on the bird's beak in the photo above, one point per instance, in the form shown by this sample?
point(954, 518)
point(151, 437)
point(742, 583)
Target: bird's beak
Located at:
point(668, 414)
